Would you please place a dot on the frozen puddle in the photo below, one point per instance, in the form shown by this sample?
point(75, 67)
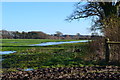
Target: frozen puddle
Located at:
point(56, 43)
point(6, 52)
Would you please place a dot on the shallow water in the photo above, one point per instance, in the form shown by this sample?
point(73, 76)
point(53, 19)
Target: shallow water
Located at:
point(28, 69)
point(6, 52)
point(1, 59)
point(14, 42)
point(56, 43)
point(46, 44)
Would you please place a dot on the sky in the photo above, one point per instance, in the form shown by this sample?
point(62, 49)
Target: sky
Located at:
point(47, 17)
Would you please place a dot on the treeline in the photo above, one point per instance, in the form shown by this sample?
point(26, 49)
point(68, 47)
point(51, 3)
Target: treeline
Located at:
point(4, 34)
point(23, 35)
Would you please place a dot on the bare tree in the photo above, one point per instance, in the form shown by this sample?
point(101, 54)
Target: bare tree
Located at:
point(97, 10)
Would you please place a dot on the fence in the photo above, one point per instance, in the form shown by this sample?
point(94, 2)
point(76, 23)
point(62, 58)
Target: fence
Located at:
point(107, 50)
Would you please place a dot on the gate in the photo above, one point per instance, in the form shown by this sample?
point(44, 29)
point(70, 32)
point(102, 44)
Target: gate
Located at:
point(107, 49)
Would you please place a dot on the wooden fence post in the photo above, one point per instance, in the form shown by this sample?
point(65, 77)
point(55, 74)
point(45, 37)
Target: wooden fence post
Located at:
point(107, 53)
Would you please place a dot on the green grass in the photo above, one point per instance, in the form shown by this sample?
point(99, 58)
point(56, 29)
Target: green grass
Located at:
point(23, 42)
point(61, 55)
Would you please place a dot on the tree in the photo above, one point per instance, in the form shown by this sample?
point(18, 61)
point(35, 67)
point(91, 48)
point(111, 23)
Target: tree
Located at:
point(112, 31)
point(105, 16)
point(37, 35)
point(58, 34)
point(6, 34)
point(97, 10)
point(24, 35)
point(78, 34)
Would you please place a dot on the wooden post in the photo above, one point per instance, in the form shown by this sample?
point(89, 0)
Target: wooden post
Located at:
point(107, 53)
point(118, 10)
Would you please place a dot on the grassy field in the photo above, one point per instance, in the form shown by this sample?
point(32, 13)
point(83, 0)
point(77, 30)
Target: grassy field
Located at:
point(23, 42)
point(61, 55)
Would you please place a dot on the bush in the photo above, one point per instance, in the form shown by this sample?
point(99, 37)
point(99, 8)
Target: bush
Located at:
point(97, 49)
point(112, 31)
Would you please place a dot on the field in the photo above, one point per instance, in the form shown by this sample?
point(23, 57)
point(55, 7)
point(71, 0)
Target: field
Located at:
point(63, 61)
point(23, 42)
point(61, 55)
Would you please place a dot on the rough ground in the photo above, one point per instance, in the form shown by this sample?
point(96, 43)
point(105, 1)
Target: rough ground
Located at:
point(71, 73)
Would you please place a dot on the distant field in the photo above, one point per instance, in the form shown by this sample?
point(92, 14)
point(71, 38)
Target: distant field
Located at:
point(23, 42)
